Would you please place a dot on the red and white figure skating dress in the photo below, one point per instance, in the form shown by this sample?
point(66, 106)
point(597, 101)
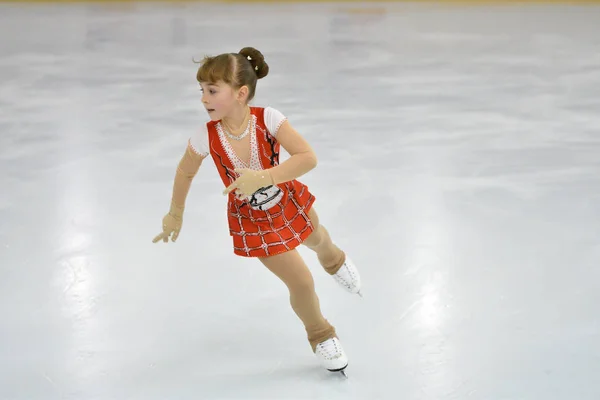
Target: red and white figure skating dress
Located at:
point(274, 220)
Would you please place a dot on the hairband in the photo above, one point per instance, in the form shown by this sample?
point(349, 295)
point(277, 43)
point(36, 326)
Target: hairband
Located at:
point(250, 59)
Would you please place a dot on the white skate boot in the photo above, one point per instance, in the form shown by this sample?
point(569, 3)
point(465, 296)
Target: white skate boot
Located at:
point(348, 277)
point(331, 355)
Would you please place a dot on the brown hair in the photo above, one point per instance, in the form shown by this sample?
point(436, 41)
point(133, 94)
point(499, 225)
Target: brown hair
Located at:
point(235, 69)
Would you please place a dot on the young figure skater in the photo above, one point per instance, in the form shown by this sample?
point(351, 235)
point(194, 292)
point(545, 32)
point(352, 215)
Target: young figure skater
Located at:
point(269, 211)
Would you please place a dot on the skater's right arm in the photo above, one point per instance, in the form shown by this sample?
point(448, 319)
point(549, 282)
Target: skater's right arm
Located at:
point(188, 167)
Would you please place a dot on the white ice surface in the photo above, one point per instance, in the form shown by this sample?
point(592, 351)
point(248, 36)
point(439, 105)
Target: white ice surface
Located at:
point(459, 167)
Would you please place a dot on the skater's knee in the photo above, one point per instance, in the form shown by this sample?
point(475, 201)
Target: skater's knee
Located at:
point(301, 285)
point(316, 237)
point(314, 217)
point(292, 270)
point(318, 234)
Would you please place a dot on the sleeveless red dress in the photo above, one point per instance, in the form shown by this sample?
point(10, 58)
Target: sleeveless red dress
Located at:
point(256, 232)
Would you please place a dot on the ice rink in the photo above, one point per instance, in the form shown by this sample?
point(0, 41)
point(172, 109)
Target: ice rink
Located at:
point(459, 166)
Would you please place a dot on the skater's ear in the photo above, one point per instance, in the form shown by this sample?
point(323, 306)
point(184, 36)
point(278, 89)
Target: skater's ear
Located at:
point(298, 148)
point(242, 94)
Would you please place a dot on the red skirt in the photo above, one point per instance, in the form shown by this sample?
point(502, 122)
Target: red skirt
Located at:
point(282, 228)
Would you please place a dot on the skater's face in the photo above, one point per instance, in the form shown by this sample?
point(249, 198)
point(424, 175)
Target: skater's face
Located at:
point(220, 99)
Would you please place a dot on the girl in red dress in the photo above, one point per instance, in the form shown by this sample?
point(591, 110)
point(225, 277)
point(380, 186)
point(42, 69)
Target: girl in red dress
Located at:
point(269, 212)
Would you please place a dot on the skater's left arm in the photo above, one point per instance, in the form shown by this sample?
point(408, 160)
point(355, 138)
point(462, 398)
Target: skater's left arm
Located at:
point(302, 156)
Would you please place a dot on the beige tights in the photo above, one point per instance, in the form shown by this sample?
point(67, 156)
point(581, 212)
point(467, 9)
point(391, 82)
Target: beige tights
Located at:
point(330, 256)
point(292, 270)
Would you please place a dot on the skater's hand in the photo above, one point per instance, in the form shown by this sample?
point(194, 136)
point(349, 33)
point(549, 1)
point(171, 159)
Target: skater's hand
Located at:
point(249, 182)
point(171, 225)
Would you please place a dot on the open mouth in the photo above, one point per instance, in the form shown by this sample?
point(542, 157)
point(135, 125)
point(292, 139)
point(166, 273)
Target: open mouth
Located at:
point(210, 110)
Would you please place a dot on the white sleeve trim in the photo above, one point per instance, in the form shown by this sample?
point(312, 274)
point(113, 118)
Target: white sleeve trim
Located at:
point(199, 142)
point(273, 120)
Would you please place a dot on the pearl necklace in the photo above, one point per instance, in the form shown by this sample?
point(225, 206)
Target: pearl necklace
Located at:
point(238, 137)
point(243, 134)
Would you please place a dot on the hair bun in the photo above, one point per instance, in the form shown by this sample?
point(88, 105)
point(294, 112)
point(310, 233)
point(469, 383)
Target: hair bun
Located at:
point(257, 60)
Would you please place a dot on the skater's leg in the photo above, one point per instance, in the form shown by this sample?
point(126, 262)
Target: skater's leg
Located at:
point(292, 270)
point(330, 256)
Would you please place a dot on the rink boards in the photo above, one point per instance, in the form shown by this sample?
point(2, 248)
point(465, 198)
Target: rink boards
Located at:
point(363, 2)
